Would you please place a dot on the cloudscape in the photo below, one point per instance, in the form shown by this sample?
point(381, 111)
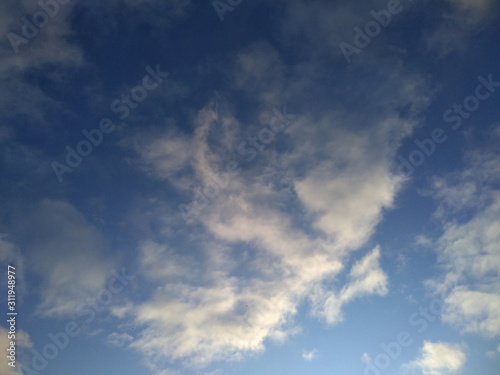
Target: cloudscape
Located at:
point(250, 187)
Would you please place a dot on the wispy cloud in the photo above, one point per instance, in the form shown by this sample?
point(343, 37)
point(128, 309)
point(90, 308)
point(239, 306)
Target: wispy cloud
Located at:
point(254, 264)
point(118, 339)
point(67, 277)
point(460, 20)
point(468, 248)
point(254, 261)
point(309, 356)
point(365, 278)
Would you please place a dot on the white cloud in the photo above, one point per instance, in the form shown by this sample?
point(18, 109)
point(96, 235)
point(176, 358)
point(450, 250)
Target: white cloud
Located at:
point(118, 339)
point(256, 252)
point(422, 240)
point(245, 229)
point(165, 156)
point(493, 353)
point(472, 254)
point(365, 278)
point(326, 196)
point(473, 311)
point(309, 356)
point(161, 263)
point(438, 359)
point(469, 249)
point(365, 358)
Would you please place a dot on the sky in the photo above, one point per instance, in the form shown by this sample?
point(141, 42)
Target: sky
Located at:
point(250, 187)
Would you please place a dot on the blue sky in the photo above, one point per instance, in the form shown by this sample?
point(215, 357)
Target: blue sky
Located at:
point(242, 187)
